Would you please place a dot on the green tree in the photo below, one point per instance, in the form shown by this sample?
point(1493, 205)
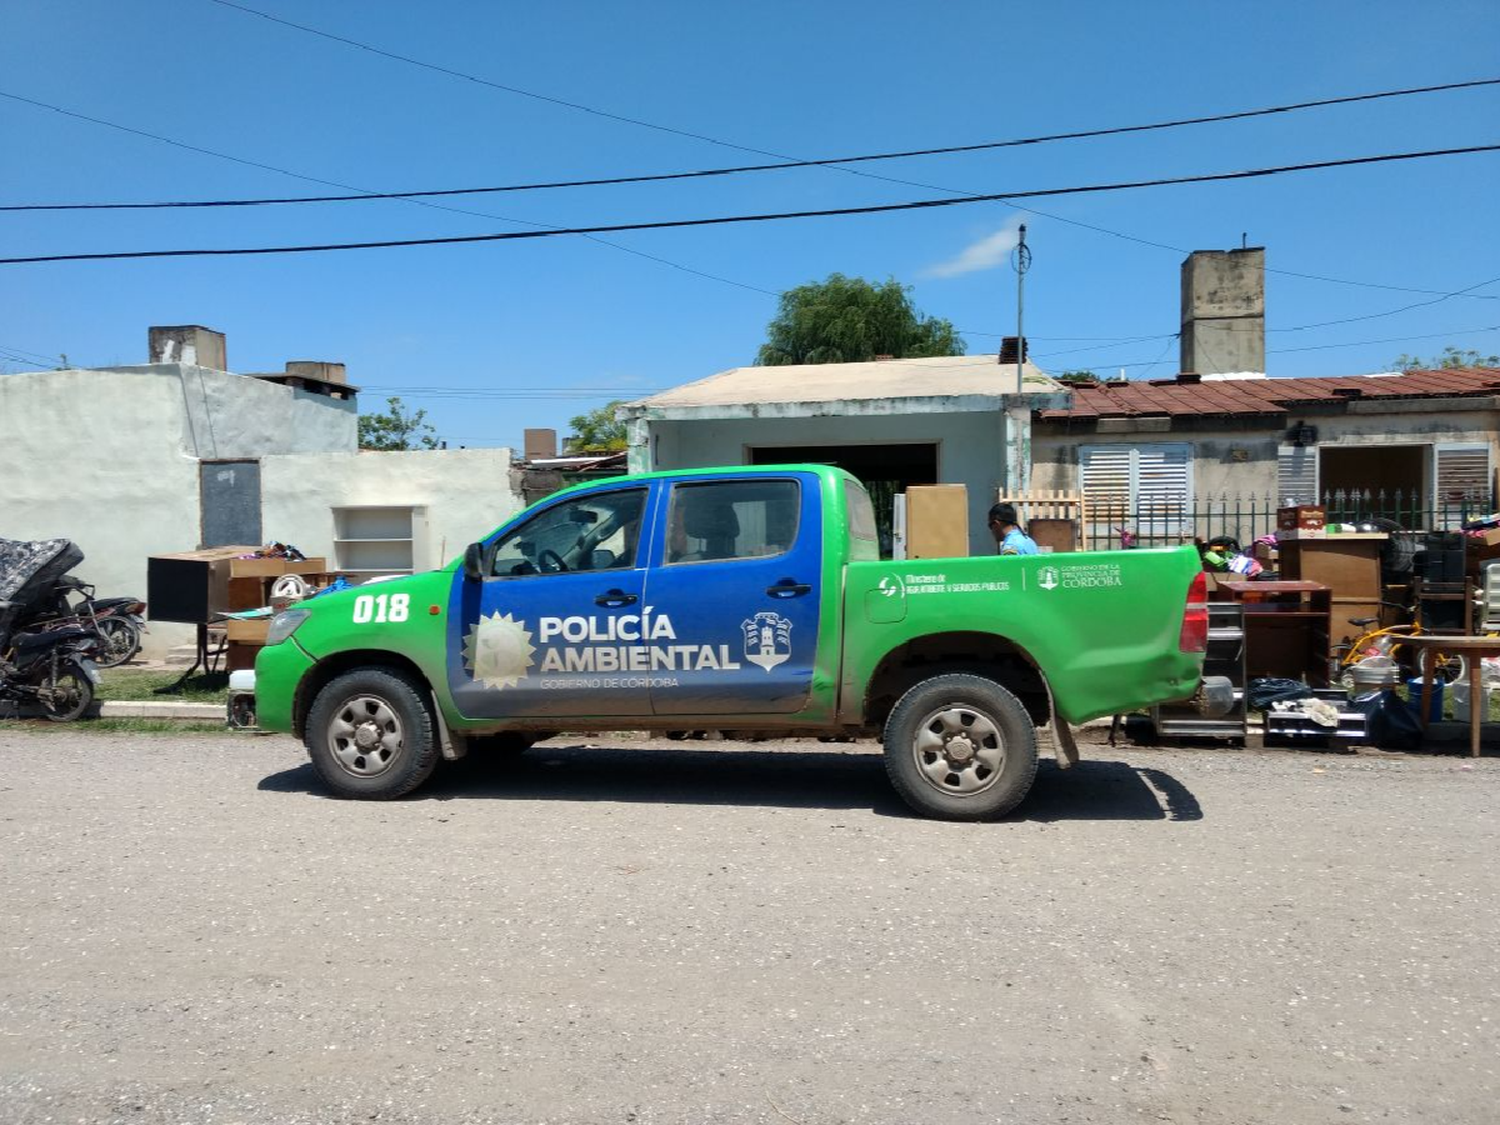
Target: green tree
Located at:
point(847, 320)
point(396, 429)
point(1451, 357)
point(598, 431)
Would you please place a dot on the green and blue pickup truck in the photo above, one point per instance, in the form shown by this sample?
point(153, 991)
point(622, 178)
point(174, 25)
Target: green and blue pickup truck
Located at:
point(733, 599)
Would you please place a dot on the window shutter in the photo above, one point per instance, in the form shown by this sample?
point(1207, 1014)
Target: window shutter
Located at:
point(1462, 472)
point(1296, 474)
point(1146, 488)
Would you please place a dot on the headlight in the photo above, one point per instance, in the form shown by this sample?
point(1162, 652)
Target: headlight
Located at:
point(285, 623)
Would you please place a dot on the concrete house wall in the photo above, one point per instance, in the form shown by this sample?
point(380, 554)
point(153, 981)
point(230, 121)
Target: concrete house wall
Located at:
point(111, 459)
point(970, 446)
point(458, 496)
point(1238, 456)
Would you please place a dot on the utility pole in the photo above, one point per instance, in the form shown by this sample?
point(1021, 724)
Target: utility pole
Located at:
point(1021, 262)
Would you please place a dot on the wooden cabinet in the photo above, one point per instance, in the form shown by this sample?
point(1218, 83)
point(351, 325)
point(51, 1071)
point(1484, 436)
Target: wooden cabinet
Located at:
point(937, 521)
point(1286, 628)
point(1348, 564)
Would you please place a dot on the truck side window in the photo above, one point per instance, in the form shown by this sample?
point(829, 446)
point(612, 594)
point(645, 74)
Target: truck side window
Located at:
point(600, 531)
point(733, 519)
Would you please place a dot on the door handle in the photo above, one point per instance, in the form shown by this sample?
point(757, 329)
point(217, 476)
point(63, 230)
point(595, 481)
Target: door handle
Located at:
point(614, 598)
point(788, 588)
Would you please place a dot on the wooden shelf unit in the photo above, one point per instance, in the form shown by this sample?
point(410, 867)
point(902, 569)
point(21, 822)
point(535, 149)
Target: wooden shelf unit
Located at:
point(374, 539)
point(1348, 564)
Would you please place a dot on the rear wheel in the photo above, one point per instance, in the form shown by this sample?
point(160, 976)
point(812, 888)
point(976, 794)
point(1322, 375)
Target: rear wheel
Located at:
point(65, 696)
point(370, 735)
point(121, 638)
point(960, 747)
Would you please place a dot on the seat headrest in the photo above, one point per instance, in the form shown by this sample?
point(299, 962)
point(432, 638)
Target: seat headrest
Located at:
point(708, 520)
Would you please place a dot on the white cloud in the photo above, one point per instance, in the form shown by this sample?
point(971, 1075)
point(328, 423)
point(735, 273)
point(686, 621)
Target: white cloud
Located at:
point(990, 251)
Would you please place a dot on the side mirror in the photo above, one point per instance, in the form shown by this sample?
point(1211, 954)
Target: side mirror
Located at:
point(474, 562)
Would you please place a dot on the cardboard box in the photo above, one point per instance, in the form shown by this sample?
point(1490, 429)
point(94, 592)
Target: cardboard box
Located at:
point(1302, 517)
point(1488, 538)
point(248, 631)
point(937, 521)
point(263, 568)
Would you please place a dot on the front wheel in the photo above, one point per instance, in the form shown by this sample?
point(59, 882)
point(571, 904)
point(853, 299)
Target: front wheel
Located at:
point(65, 696)
point(960, 747)
point(370, 735)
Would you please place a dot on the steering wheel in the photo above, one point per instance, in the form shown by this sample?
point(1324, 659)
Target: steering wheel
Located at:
point(550, 561)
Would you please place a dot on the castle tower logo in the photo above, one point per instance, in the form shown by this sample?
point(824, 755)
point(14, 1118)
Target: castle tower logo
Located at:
point(768, 640)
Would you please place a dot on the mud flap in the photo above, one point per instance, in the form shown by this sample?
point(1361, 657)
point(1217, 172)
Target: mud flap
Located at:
point(453, 746)
point(1063, 745)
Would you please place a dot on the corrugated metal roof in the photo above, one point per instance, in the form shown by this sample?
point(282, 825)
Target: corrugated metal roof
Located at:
point(1179, 397)
point(876, 379)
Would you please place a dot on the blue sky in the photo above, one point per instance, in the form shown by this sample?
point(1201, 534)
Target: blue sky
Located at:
point(492, 338)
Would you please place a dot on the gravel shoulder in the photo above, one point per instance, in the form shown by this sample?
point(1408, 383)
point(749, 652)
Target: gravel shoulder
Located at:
point(639, 930)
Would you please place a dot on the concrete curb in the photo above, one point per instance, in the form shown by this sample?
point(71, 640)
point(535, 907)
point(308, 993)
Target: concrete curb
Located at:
point(166, 709)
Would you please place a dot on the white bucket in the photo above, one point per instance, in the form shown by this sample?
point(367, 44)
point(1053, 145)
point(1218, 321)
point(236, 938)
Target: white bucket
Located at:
point(1460, 695)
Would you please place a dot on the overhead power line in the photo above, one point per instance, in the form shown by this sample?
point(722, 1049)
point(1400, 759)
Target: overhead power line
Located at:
point(652, 257)
point(921, 204)
point(610, 181)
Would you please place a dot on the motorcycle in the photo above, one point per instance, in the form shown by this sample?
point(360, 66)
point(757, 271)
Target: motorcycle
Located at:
point(52, 668)
point(119, 622)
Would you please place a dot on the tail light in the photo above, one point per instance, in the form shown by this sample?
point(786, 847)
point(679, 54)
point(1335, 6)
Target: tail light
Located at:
point(1194, 637)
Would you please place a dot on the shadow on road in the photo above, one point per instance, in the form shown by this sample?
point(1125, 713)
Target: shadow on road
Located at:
point(1092, 790)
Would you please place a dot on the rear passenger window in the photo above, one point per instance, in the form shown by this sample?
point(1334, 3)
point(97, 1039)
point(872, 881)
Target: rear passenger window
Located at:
point(732, 519)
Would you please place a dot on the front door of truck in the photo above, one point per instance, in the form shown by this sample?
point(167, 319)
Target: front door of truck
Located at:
point(733, 591)
point(556, 627)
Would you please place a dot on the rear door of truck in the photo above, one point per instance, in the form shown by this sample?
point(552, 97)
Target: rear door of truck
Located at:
point(736, 572)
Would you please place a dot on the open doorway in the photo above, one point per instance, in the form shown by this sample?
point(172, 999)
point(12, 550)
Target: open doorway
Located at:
point(884, 470)
point(1375, 469)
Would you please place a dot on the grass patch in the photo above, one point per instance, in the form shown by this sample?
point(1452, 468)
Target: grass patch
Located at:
point(142, 685)
point(116, 726)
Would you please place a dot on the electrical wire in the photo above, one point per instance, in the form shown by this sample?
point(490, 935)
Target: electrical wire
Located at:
point(408, 197)
point(838, 164)
point(922, 204)
point(699, 173)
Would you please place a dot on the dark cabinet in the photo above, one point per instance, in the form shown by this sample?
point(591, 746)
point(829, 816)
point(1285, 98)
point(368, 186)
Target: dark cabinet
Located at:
point(1286, 628)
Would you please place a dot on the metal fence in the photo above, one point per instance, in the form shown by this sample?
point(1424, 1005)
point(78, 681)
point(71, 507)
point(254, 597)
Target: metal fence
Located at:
point(1246, 518)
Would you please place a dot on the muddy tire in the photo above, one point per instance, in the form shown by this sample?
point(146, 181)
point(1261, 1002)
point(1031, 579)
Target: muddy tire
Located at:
point(370, 735)
point(960, 747)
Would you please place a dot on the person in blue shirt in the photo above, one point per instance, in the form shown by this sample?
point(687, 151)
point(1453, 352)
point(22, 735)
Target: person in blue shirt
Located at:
point(1009, 538)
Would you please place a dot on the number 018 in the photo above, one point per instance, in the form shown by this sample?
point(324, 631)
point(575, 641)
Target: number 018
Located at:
point(381, 608)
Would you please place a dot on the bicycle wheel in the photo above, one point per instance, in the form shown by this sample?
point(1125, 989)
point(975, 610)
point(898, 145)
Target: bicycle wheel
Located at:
point(1450, 669)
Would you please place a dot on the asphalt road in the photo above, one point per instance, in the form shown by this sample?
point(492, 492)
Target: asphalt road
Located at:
point(192, 932)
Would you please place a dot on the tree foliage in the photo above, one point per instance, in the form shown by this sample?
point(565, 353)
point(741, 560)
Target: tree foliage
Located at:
point(848, 320)
point(1078, 378)
point(1452, 357)
point(598, 431)
point(395, 429)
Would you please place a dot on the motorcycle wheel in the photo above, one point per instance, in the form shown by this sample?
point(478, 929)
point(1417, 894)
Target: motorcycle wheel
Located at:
point(65, 697)
point(122, 640)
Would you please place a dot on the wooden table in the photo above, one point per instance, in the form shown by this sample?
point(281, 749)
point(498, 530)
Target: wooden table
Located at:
point(1472, 649)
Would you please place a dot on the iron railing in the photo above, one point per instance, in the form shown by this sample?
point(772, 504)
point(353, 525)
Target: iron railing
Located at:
point(1247, 518)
